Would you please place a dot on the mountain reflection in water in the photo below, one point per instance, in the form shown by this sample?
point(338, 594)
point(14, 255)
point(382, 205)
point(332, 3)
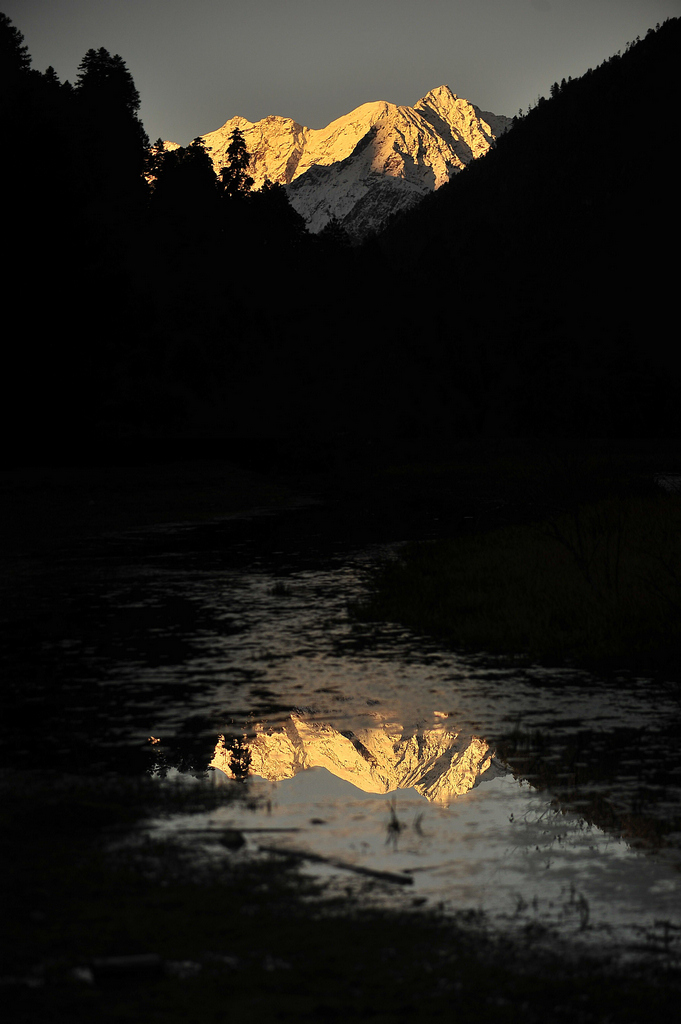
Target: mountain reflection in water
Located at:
point(438, 763)
point(434, 808)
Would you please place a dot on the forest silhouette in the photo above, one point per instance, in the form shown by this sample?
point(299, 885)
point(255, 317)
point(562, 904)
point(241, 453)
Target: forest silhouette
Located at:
point(532, 295)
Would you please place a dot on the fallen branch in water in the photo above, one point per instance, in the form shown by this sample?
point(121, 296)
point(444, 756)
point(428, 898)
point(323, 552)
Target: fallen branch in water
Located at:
point(215, 830)
point(383, 876)
point(219, 831)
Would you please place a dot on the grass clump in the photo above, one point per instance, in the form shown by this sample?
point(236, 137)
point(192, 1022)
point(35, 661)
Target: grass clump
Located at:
point(601, 581)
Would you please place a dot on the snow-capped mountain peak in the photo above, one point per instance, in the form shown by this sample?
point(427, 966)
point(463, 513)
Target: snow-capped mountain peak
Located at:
point(368, 163)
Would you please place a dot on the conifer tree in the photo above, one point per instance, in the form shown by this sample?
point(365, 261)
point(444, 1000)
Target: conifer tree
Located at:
point(234, 177)
point(113, 138)
point(15, 59)
point(184, 186)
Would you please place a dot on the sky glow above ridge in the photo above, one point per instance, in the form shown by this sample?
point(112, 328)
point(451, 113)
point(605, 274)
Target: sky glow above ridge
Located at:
point(198, 64)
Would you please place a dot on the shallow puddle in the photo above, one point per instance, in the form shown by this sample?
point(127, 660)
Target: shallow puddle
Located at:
point(530, 795)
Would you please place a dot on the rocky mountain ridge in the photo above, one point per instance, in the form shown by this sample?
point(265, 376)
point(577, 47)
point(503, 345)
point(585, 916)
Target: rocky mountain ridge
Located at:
point(369, 163)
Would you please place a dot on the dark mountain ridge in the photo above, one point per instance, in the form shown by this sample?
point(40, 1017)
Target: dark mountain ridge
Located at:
point(564, 232)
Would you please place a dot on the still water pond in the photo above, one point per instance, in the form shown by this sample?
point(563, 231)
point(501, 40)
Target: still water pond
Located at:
point(528, 795)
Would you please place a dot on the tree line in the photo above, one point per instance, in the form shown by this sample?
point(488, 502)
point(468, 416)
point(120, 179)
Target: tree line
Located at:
point(137, 268)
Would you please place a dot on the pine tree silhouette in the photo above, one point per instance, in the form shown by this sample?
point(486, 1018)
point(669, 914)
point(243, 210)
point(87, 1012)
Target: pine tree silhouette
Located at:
point(235, 180)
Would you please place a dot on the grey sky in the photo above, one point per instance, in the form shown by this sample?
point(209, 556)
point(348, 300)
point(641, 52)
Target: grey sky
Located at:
point(197, 63)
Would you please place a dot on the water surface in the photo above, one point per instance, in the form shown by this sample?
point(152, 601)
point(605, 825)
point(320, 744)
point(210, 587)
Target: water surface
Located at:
point(529, 795)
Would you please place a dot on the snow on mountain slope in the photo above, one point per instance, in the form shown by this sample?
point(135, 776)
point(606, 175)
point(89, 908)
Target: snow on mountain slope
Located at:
point(367, 164)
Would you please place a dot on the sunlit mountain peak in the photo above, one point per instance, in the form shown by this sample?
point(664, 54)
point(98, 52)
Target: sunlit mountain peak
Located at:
point(367, 164)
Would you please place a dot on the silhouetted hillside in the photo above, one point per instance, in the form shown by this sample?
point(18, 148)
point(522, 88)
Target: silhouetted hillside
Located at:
point(549, 264)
